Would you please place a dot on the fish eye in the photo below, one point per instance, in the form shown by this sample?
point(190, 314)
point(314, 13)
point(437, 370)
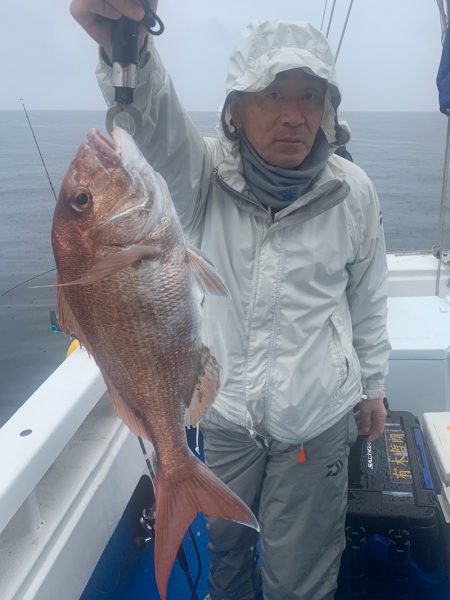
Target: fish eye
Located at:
point(80, 199)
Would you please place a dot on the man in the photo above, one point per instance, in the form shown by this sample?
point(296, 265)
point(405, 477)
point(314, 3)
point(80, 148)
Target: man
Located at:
point(295, 231)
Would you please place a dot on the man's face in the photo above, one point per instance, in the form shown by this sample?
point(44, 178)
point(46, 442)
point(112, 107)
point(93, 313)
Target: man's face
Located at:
point(281, 121)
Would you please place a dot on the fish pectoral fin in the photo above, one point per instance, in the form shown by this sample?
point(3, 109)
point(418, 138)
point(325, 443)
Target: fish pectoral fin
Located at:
point(115, 262)
point(204, 273)
point(205, 390)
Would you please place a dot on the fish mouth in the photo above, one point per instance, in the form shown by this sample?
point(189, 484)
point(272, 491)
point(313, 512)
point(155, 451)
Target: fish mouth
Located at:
point(105, 148)
point(120, 149)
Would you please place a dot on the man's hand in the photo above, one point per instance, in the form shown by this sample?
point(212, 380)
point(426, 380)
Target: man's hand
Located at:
point(371, 418)
point(95, 15)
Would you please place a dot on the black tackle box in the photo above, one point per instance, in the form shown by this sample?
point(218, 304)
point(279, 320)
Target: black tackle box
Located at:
point(393, 525)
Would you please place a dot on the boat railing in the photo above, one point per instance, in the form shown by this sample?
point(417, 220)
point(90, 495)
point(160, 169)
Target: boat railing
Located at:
point(68, 468)
point(415, 274)
point(36, 434)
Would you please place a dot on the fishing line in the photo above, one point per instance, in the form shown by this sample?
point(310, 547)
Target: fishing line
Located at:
point(26, 281)
point(54, 195)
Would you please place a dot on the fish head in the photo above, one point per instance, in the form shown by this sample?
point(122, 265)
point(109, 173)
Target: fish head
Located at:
point(110, 198)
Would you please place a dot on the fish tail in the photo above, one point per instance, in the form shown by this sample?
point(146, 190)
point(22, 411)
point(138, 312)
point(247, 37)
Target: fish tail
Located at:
point(178, 502)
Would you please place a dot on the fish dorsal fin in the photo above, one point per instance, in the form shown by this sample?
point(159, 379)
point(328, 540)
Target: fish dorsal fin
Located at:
point(205, 390)
point(115, 262)
point(131, 419)
point(204, 273)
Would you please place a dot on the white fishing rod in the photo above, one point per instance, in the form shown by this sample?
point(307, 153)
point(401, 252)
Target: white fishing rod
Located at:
point(38, 149)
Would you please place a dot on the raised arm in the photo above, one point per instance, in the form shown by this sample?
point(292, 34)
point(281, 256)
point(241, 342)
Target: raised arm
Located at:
point(169, 139)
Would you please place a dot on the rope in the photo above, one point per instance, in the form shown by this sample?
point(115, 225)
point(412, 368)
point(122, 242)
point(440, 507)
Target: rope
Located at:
point(343, 30)
point(331, 18)
point(323, 16)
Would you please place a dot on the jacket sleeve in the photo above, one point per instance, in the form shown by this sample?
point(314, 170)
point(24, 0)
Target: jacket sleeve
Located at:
point(367, 295)
point(169, 139)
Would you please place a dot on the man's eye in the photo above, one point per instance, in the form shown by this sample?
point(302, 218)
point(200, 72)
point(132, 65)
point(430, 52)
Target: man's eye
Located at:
point(311, 97)
point(274, 96)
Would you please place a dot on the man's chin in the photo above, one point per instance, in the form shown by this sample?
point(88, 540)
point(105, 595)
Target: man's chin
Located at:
point(289, 156)
point(290, 161)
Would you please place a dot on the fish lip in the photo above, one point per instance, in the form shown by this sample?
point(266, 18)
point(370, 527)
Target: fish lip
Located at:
point(104, 147)
point(97, 137)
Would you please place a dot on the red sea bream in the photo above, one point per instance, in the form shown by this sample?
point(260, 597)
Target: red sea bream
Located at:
point(126, 279)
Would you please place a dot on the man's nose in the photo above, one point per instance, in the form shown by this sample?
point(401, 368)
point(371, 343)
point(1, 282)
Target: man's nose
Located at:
point(293, 113)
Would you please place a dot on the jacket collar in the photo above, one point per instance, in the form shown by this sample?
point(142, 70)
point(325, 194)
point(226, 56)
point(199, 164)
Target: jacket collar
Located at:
point(327, 191)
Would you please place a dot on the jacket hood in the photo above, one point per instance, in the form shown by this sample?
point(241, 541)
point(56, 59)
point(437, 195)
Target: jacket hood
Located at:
point(270, 47)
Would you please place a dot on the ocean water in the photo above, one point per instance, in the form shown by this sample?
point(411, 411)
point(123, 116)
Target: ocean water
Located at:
point(402, 153)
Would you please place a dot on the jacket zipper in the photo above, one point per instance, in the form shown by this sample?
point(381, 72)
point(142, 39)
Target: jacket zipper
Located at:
point(266, 398)
point(241, 197)
point(238, 195)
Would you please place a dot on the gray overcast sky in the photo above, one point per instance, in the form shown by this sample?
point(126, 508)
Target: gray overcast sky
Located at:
point(388, 60)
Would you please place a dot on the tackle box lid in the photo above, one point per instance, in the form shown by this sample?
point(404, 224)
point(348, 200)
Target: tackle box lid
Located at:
point(437, 431)
point(390, 478)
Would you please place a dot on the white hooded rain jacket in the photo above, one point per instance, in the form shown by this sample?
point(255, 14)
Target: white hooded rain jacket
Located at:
point(304, 335)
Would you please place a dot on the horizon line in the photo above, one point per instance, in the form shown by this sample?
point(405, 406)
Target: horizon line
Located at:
point(380, 110)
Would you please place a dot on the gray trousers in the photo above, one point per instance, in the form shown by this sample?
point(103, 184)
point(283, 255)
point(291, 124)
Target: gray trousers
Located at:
point(301, 510)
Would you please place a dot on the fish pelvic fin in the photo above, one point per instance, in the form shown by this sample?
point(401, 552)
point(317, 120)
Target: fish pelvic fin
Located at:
point(132, 419)
point(178, 502)
point(204, 273)
point(205, 390)
point(113, 263)
point(67, 320)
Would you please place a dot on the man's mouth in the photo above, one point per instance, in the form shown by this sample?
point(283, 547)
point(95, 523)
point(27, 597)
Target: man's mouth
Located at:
point(290, 140)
